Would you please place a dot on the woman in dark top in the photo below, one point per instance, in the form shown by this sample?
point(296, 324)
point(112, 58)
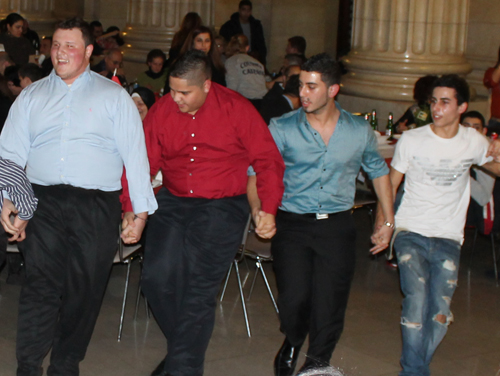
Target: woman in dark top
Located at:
point(18, 47)
point(191, 21)
point(201, 39)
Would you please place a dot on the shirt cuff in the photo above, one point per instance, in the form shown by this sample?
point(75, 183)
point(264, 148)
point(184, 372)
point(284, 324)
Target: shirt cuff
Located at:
point(145, 205)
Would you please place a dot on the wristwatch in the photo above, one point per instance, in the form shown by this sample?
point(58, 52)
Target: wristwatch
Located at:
point(389, 224)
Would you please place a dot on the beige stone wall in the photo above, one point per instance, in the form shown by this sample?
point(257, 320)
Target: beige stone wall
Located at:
point(483, 40)
point(282, 19)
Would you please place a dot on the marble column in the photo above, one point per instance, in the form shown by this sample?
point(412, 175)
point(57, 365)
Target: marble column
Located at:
point(397, 41)
point(40, 13)
point(153, 23)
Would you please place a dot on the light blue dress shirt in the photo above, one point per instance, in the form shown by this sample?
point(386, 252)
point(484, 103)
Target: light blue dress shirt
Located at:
point(320, 178)
point(81, 135)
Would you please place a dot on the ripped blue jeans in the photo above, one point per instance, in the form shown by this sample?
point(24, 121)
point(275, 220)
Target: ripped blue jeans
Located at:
point(428, 270)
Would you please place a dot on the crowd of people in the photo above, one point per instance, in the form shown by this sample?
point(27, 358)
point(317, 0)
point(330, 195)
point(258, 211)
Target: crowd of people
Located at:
point(77, 154)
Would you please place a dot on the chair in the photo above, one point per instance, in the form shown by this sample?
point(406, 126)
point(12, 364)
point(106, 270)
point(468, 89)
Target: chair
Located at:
point(258, 249)
point(125, 255)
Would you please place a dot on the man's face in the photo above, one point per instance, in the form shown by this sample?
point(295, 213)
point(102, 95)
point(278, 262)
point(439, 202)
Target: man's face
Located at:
point(188, 95)
point(245, 13)
point(314, 94)
point(113, 61)
point(202, 42)
point(290, 50)
point(45, 46)
point(474, 123)
point(444, 107)
point(156, 64)
point(69, 55)
point(24, 81)
point(97, 31)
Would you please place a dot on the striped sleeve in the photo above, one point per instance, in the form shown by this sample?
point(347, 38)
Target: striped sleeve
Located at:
point(13, 180)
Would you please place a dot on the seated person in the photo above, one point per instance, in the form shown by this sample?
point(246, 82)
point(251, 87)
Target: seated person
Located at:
point(113, 61)
point(28, 74)
point(296, 45)
point(276, 106)
point(5, 61)
point(481, 182)
point(143, 99)
point(44, 59)
point(418, 114)
point(97, 31)
point(276, 87)
point(245, 74)
point(13, 82)
point(154, 78)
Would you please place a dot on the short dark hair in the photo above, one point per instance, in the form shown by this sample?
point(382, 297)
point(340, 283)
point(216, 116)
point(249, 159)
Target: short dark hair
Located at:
point(78, 23)
point(32, 71)
point(326, 65)
point(454, 81)
point(298, 43)
point(153, 54)
point(94, 24)
point(292, 85)
point(422, 91)
point(295, 59)
point(475, 115)
point(12, 74)
point(245, 3)
point(194, 65)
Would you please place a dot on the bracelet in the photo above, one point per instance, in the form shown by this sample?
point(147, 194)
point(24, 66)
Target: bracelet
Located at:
point(389, 224)
point(136, 216)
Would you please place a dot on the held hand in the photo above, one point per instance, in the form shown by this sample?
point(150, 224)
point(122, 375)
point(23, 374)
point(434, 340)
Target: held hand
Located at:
point(17, 229)
point(132, 227)
point(494, 150)
point(381, 238)
point(265, 225)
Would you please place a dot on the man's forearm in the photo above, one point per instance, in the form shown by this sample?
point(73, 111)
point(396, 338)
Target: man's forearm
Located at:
point(383, 190)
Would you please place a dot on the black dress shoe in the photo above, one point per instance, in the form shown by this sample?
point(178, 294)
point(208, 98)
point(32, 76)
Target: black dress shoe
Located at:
point(286, 359)
point(159, 370)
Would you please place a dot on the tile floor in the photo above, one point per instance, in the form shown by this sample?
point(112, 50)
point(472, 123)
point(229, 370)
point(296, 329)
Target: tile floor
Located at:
point(370, 345)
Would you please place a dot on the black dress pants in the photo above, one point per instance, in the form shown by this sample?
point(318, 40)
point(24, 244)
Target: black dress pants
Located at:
point(190, 244)
point(68, 251)
point(314, 264)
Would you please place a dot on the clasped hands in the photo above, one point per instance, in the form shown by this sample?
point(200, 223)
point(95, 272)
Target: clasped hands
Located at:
point(265, 224)
point(16, 228)
point(132, 226)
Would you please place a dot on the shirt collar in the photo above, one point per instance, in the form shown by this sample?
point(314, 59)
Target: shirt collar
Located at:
point(84, 77)
point(303, 118)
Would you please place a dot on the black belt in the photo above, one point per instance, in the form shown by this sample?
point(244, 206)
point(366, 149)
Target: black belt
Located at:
point(317, 216)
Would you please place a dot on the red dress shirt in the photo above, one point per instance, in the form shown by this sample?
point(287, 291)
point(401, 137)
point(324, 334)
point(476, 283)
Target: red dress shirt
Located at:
point(495, 92)
point(207, 154)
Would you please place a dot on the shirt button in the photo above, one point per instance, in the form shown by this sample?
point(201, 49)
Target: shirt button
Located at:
point(192, 159)
point(320, 206)
point(62, 176)
point(190, 174)
point(67, 106)
point(192, 134)
point(191, 191)
point(62, 159)
point(321, 187)
point(194, 148)
point(194, 117)
point(324, 169)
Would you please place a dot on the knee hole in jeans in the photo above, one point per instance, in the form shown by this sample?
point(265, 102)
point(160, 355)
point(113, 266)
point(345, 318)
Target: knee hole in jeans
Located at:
point(410, 325)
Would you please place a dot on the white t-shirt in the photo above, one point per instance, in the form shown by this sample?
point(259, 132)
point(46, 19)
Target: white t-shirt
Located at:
point(437, 188)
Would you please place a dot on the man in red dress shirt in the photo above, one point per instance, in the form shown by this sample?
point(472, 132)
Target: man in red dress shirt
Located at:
point(203, 137)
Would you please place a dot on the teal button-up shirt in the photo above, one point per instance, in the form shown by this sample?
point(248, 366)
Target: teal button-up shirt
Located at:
point(321, 178)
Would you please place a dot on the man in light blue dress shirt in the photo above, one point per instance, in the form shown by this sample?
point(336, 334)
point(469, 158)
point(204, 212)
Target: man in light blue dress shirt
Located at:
point(323, 148)
point(73, 131)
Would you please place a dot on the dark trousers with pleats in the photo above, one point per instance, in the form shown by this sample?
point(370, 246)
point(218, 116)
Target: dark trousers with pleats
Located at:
point(68, 251)
point(190, 244)
point(314, 264)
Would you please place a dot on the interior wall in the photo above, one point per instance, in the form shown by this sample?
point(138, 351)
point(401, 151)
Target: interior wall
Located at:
point(483, 39)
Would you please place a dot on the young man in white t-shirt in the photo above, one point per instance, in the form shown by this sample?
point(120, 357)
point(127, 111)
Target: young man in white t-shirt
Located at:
point(430, 220)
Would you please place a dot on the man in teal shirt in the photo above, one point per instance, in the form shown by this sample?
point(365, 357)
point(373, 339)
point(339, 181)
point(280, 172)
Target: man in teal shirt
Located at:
point(323, 147)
